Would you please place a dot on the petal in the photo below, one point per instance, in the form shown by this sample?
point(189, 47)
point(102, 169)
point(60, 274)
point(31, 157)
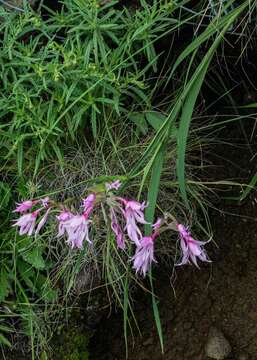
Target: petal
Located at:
point(195, 249)
point(139, 216)
point(31, 229)
point(194, 260)
point(42, 221)
point(61, 230)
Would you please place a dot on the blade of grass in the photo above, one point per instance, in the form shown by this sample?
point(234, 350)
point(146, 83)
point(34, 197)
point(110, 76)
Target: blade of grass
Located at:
point(154, 189)
point(249, 188)
point(156, 313)
point(125, 313)
point(193, 89)
point(217, 24)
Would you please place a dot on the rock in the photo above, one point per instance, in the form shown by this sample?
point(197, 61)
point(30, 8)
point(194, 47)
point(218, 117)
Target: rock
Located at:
point(217, 346)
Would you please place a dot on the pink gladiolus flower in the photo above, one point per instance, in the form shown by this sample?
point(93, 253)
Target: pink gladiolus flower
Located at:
point(115, 185)
point(62, 218)
point(27, 223)
point(24, 206)
point(45, 202)
point(42, 221)
point(144, 255)
point(191, 249)
point(117, 230)
point(77, 228)
point(88, 204)
point(133, 213)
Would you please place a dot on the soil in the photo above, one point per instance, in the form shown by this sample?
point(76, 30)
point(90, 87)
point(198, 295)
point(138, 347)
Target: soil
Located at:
point(222, 294)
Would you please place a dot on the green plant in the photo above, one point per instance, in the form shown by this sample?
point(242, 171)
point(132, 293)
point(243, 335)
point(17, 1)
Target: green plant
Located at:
point(61, 76)
point(25, 283)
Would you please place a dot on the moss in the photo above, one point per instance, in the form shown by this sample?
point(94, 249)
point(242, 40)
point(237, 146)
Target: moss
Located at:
point(72, 344)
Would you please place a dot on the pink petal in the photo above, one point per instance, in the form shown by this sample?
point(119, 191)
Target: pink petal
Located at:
point(115, 185)
point(42, 221)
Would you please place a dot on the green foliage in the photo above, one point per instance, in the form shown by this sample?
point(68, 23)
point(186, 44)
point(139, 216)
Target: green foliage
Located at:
point(24, 278)
point(34, 257)
point(5, 194)
point(62, 75)
point(21, 261)
point(4, 329)
point(5, 286)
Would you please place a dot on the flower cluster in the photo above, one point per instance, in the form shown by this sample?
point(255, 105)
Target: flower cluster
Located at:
point(28, 222)
point(126, 217)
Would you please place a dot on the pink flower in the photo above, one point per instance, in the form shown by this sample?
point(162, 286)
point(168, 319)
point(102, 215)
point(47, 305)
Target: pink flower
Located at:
point(144, 255)
point(88, 204)
point(42, 221)
point(45, 202)
point(191, 248)
point(77, 228)
point(133, 214)
point(62, 218)
point(115, 185)
point(24, 206)
point(27, 223)
point(117, 229)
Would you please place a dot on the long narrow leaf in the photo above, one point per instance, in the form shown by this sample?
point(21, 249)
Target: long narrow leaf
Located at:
point(193, 89)
point(154, 188)
point(156, 313)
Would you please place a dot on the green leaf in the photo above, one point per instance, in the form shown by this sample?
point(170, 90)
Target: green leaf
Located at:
point(5, 328)
point(27, 273)
point(58, 153)
point(4, 285)
point(125, 312)
point(22, 187)
point(45, 290)
point(253, 105)
point(34, 257)
point(250, 187)
point(156, 313)
point(4, 341)
point(155, 119)
point(5, 194)
point(215, 26)
point(154, 188)
point(93, 121)
point(43, 356)
point(20, 157)
point(139, 120)
point(184, 125)
point(23, 243)
point(191, 92)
